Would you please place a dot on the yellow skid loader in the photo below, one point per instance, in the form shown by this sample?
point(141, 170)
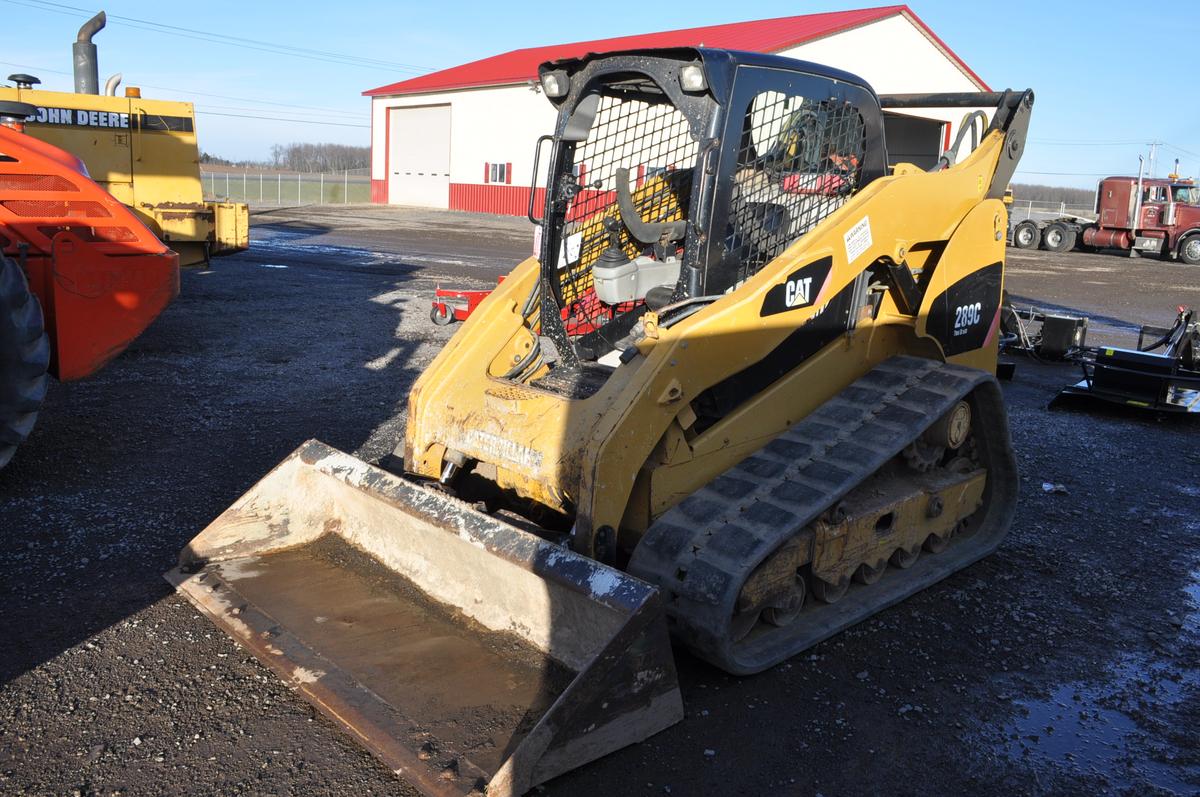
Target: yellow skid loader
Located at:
point(744, 398)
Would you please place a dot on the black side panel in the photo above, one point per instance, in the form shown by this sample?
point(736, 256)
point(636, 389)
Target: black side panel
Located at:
point(798, 290)
point(829, 324)
point(961, 318)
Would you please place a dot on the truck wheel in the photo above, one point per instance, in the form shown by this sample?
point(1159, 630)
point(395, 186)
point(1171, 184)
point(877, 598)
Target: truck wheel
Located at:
point(1189, 250)
point(1057, 238)
point(1026, 235)
point(24, 358)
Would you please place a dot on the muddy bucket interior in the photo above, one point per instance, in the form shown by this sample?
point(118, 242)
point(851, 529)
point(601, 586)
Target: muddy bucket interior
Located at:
point(467, 654)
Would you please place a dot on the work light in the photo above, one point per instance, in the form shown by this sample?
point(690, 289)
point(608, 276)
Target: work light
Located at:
point(556, 84)
point(691, 78)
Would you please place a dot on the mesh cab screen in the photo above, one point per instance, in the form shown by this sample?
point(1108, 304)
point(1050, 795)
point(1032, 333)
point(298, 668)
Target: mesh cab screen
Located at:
point(798, 161)
point(653, 141)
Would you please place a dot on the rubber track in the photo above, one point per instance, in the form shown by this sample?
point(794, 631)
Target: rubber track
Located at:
point(702, 551)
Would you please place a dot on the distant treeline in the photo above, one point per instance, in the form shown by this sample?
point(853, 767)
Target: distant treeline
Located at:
point(1024, 192)
point(319, 157)
point(217, 160)
point(298, 157)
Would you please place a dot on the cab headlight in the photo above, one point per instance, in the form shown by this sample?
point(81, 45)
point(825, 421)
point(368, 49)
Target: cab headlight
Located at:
point(556, 84)
point(691, 78)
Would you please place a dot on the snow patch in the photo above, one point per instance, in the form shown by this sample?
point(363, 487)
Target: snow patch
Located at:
point(604, 581)
point(304, 676)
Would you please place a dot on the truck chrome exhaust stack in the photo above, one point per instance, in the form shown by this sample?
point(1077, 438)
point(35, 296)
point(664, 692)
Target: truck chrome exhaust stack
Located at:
point(84, 58)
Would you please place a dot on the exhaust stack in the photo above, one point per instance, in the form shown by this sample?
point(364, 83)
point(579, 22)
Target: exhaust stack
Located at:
point(87, 65)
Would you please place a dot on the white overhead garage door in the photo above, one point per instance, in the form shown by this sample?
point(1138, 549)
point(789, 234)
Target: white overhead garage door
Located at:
point(419, 156)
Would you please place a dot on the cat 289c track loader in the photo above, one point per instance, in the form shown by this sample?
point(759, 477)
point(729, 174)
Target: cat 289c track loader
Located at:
point(743, 399)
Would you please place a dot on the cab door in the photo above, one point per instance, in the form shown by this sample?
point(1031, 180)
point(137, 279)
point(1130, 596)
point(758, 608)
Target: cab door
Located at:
point(1154, 202)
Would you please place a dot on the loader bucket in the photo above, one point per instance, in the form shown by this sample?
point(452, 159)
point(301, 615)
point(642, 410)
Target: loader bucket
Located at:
point(469, 655)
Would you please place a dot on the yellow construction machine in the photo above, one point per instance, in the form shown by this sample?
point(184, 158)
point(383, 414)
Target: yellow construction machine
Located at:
point(744, 398)
point(142, 151)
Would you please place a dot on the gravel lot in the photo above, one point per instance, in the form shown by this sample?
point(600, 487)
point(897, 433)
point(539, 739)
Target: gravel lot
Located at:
point(1068, 662)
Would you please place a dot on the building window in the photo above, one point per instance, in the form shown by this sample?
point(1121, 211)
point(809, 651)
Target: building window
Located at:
point(497, 173)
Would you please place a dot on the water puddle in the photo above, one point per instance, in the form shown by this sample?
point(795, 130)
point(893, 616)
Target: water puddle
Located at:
point(275, 243)
point(1107, 729)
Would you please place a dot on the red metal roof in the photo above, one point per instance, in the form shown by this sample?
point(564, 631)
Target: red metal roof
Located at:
point(764, 36)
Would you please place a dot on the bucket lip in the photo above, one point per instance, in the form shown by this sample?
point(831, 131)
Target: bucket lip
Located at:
point(613, 588)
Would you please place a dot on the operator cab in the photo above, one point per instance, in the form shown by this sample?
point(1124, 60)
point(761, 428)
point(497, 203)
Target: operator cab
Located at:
point(675, 175)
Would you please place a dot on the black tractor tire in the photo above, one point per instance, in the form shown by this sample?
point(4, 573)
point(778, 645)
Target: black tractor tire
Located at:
point(1189, 250)
point(1058, 238)
point(24, 359)
point(1026, 235)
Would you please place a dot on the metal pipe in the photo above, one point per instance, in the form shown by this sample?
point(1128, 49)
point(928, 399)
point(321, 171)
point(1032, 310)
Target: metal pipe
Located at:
point(87, 64)
point(1137, 208)
point(110, 85)
point(962, 99)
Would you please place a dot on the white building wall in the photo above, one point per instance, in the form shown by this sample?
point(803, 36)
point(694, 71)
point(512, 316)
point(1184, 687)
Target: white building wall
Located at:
point(487, 125)
point(895, 56)
point(892, 54)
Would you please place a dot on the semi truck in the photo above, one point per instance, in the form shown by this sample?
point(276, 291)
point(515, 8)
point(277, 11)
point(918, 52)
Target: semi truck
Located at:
point(1138, 215)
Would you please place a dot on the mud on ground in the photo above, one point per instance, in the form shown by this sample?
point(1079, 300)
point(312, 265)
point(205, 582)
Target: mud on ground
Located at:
point(1066, 663)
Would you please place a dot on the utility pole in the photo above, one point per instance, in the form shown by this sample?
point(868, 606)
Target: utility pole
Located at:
point(1153, 152)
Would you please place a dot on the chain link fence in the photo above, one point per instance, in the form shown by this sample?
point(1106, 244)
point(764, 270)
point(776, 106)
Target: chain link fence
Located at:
point(277, 188)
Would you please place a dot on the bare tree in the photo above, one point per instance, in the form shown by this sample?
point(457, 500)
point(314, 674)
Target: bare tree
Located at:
point(1024, 192)
point(305, 157)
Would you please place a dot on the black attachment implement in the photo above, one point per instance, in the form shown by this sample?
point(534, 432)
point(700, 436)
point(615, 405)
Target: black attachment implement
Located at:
point(1166, 381)
point(1042, 335)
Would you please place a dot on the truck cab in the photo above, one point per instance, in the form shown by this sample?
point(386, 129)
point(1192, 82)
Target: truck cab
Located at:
point(1157, 215)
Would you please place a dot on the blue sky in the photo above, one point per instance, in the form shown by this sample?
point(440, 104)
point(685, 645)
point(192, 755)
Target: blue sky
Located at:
point(1102, 97)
